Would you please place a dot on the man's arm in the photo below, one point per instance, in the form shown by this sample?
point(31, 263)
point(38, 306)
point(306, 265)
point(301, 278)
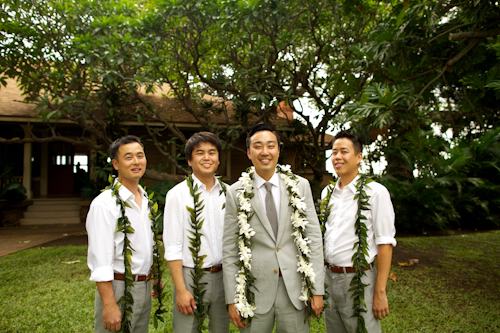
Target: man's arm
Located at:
point(380, 302)
point(184, 299)
point(111, 314)
point(173, 237)
point(384, 232)
point(313, 231)
point(230, 256)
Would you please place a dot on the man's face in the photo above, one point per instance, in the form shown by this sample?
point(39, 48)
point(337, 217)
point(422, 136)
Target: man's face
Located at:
point(130, 162)
point(264, 153)
point(345, 160)
point(204, 160)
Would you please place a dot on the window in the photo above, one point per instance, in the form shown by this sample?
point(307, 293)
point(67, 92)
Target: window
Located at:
point(82, 162)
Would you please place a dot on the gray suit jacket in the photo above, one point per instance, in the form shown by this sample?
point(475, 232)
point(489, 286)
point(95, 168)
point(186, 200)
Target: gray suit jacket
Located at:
point(270, 254)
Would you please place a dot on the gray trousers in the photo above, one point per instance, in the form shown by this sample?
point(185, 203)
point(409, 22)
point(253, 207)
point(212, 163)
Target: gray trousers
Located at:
point(141, 309)
point(288, 318)
point(216, 309)
point(338, 316)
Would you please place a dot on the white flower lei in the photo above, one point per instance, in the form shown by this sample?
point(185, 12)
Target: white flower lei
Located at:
point(244, 299)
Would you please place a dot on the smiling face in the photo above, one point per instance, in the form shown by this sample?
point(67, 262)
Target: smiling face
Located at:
point(264, 152)
point(130, 162)
point(345, 159)
point(204, 160)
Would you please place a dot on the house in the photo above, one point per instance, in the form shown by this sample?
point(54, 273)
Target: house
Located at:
point(49, 170)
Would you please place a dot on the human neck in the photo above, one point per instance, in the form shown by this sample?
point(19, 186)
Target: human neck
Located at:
point(208, 180)
point(347, 179)
point(133, 186)
point(265, 175)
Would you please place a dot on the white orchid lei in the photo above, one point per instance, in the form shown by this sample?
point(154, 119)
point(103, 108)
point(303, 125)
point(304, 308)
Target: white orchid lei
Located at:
point(245, 299)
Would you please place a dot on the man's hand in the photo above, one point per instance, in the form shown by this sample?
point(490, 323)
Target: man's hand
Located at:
point(380, 305)
point(317, 304)
point(154, 293)
point(112, 318)
point(185, 302)
point(235, 317)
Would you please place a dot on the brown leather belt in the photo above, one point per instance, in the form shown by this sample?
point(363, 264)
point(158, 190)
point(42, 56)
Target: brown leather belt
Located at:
point(213, 269)
point(339, 269)
point(121, 277)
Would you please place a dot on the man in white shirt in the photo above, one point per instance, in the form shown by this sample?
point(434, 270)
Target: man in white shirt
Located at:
point(105, 252)
point(202, 150)
point(340, 237)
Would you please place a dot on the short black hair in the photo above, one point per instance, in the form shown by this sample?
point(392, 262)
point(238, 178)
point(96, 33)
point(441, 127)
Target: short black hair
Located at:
point(262, 127)
point(197, 138)
point(356, 141)
point(115, 146)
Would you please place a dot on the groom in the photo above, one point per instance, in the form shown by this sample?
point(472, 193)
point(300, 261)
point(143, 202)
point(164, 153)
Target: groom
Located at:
point(278, 284)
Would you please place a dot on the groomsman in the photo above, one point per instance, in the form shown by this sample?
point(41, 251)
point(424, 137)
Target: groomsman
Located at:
point(278, 284)
point(340, 237)
point(105, 253)
point(202, 150)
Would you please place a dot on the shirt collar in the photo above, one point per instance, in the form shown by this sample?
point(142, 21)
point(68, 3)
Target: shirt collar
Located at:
point(259, 181)
point(202, 185)
point(125, 193)
point(351, 185)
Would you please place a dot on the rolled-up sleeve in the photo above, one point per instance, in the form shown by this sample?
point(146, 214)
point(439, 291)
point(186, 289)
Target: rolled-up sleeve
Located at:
point(101, 226)
point(383, 217)
point(173, 227)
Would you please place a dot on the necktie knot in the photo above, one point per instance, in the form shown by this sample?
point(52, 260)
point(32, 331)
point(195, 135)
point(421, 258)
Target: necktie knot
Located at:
point(268, 186)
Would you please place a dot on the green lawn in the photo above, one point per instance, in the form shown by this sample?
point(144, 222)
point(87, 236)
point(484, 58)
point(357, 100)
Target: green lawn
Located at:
point(458, 292)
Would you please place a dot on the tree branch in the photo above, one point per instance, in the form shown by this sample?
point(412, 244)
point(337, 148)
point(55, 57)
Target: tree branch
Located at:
point(474, 34)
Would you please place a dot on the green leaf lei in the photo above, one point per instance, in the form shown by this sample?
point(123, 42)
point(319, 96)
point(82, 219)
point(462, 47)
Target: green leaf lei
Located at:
point(124, 226)
point(154, 215)
point(195, 241)
point(359, 257)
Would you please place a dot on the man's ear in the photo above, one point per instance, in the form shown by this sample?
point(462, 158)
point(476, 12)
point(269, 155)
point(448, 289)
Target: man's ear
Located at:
point(248, 153)
point(359, 157)
point(115, 164)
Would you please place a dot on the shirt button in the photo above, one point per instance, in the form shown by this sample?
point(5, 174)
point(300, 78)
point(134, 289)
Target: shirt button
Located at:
point(277, 249)
point(275, 271)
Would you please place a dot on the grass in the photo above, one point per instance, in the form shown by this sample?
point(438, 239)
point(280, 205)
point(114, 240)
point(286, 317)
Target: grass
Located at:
point(457, 292)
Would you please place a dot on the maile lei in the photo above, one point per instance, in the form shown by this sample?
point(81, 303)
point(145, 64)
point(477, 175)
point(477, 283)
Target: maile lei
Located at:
point(124, 226)
point(361, 247)
point(195, 241)
point(245, 298)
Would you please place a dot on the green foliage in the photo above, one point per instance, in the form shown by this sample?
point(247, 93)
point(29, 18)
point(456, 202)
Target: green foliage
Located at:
point(10, 189)
point(14, 192)
point(160, 190)
point(460, 190)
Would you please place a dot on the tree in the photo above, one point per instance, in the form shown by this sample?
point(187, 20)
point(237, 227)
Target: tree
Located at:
point(436, 66)
point(388, 71)
point(83, 61)
point(257, 54)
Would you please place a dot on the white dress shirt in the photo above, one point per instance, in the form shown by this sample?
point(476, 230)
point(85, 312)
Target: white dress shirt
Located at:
point(340, 234)
point(177, 224)
point(275, 181)
point(105, 252)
